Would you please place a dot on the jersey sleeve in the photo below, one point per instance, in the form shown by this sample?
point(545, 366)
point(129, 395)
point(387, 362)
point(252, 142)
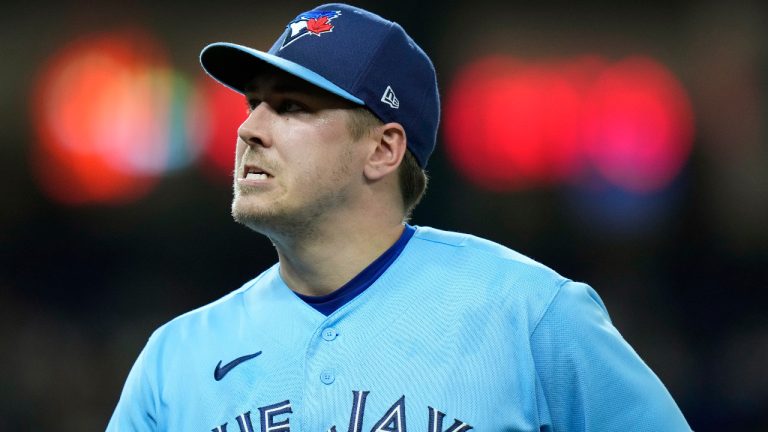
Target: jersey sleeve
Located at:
point(136, 410)
point(590, 378)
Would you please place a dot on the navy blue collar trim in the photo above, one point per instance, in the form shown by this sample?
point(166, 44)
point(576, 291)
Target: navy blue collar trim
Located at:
point(328, 304)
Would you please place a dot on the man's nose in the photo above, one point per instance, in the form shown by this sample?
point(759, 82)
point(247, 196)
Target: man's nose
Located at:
point(255, 130)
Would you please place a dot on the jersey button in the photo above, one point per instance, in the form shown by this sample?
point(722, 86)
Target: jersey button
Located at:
point(327, 376)
point(330, 334)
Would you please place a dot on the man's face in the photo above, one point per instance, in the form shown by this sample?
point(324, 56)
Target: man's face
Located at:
point(296, 162)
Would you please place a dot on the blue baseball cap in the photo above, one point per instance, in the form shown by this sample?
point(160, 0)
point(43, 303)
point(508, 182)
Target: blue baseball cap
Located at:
point(354, 54)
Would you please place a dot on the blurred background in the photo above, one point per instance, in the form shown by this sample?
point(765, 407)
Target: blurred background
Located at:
point(623, 145)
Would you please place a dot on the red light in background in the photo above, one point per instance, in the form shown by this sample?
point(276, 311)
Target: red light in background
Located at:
point(511, 124)
point(468, 137)
point(100, 111)
point(639, 125)
point(218, 112)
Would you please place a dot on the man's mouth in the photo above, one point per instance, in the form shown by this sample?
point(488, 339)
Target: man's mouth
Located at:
point(253, 172)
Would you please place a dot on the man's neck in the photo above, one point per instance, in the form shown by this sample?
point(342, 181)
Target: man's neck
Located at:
point(334, 254)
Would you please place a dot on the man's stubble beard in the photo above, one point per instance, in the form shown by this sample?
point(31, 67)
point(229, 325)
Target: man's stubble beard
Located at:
point(296, 223)
point(282, 222)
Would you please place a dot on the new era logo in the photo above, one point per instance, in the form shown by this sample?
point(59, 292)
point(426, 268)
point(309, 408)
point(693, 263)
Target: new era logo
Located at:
point(390, 99)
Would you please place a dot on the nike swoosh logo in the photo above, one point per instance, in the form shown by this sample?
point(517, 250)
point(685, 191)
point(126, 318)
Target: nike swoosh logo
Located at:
point(220, 371)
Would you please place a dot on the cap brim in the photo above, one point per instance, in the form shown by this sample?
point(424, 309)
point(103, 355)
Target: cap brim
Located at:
point(236, 65)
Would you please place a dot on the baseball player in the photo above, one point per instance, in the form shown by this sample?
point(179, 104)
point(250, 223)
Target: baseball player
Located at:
point(367, 323)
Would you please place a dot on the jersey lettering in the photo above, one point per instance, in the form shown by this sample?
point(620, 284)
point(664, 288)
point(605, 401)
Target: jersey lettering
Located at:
point(268, 414)
point(358, 410)
point(394, 419)
point(244, 421)
point(436, 423)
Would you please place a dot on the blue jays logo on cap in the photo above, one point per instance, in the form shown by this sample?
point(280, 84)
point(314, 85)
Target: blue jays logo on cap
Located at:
point(314, 22)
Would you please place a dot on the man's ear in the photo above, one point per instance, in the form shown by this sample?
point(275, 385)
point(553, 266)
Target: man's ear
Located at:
point(391, 144)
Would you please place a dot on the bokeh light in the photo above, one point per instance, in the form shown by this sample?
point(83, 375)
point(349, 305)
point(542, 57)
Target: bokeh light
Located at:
point(639, 125)
point(183, 148)
point(512, 124)
point(100, 112)
point(217, 114)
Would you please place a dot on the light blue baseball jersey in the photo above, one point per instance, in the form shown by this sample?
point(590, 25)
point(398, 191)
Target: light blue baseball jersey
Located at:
point(458, 334)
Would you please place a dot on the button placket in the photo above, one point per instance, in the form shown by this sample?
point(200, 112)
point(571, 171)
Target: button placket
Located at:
point(327, 372)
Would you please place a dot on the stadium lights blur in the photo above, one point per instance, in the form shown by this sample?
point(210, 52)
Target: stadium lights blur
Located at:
point(111, 116)
point(512, 124)
point(219, 111)
point(99, 111)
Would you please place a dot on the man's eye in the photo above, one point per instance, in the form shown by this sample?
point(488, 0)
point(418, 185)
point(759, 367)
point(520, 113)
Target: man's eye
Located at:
point(290, 106)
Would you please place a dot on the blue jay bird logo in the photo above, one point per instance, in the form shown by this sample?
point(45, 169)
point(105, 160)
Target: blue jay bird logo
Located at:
point(312, 22)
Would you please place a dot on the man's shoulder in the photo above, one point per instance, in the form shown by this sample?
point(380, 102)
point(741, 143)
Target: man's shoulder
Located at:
point(481, 248)
point(489, 265)
point(226, 309)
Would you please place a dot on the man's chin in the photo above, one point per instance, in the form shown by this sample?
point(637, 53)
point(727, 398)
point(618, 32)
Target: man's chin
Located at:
point(266, 221)
point(271, 223)
point(251, 217)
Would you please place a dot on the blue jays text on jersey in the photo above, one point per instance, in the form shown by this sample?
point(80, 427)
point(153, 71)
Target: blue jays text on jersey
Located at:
point(457, 330)
point(393, 420)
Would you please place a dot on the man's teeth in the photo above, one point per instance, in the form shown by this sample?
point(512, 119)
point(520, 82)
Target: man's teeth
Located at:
point(256, 176)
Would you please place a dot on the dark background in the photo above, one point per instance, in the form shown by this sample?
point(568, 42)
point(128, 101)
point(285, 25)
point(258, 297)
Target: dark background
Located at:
point(82, 287)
